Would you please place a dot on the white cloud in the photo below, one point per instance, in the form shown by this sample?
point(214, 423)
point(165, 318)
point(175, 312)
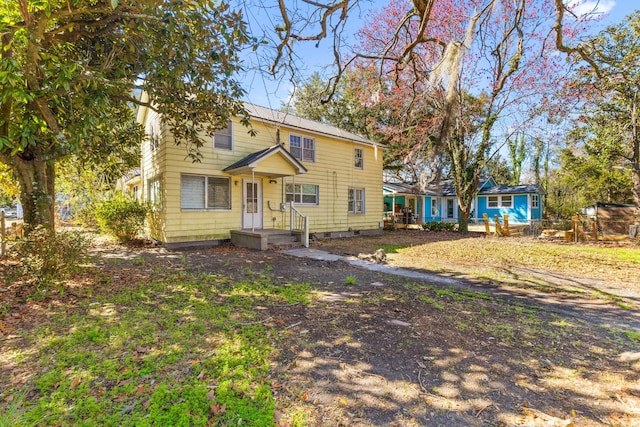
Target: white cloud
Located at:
point(591, 7)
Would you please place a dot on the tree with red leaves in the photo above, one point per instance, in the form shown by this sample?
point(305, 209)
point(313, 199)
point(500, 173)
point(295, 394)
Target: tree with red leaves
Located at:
point(483, 63)
point(447, 71)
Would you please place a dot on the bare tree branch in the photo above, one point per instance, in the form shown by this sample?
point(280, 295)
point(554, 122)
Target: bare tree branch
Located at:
point(514, 61)
point(580, 49)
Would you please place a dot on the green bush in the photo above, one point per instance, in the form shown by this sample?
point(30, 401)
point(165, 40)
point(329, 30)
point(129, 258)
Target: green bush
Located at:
point(121, 217)
point(47, 256)
point(439, 226)
point(85, 216)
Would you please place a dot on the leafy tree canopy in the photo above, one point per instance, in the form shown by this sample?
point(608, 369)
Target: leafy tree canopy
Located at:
point(609, 129)
point(354, 108)
point(9, 189)
point(499, 169)
point(592, 178)
point(71, 71)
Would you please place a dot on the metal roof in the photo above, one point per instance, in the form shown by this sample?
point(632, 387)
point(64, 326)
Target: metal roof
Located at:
point(290, 120)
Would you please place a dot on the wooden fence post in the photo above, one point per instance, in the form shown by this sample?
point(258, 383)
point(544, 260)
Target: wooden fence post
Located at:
point(594, 230)
point(506, 225)
point(574, 227)
point(498, 227)
point(486, 224)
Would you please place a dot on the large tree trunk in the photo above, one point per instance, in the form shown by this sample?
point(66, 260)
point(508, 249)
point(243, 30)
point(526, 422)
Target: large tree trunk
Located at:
point(635, 176)
point(635, 160)
point(37, 185)
point(463, 220)
point(635, 169)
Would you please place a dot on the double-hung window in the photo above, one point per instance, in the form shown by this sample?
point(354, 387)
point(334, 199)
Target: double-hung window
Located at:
point(306, 194)
point(205, 192)
point(358, 158)
point(302, 147)
point(434, 207)
point(356, 200)
point(499, 201)
point(223, 138)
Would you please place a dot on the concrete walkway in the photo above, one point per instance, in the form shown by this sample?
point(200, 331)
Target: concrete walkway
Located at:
point(373, 266)
point(595, 311)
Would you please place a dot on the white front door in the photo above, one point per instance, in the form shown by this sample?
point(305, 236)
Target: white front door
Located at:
point(252, 203)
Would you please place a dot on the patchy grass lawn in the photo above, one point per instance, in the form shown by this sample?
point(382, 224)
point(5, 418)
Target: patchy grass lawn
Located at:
point(179, 350)
point(607, 270)
point(228, 337)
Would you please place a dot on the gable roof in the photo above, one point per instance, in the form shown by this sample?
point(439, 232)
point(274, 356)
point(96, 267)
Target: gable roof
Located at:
point(401, 188)
point(276, 117)
point(250, 162)
point(446, 188)
point(268, 115)
point(513, 189)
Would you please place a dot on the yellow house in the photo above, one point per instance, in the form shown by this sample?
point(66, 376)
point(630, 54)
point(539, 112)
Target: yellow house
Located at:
point(295, 177)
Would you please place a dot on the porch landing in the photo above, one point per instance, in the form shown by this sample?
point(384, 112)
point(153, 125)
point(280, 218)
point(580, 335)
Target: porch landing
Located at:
point(261, 239)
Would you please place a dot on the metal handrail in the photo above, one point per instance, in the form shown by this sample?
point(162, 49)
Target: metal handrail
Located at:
point(299, 222)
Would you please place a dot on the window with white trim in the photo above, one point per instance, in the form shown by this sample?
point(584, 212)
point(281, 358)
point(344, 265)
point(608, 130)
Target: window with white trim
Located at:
point(154, 193)
point(302, 147)
point(356, 200)
point(306, 194)
point(205, 192)
point(434, 207)
point(223, 138)
point(499, 201)
point(358, 158)
point(535, 201)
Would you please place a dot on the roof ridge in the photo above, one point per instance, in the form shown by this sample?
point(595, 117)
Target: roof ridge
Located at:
point(292, 120)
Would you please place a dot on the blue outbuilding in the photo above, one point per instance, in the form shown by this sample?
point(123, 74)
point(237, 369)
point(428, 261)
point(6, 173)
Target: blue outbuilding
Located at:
point(437, 201)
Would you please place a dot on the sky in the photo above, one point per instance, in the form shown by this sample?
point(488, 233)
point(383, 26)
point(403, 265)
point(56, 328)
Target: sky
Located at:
point(269, 92)
point(273, 93)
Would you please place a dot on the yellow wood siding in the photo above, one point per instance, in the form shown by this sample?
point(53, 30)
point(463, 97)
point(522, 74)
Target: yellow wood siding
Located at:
point(275, 163)
point(333, 172)
point(151, 168)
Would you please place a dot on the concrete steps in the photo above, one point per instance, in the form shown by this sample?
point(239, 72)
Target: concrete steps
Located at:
point(285, 238)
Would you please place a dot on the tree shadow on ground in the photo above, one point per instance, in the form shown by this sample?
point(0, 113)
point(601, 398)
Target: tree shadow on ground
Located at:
point(388, 357)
